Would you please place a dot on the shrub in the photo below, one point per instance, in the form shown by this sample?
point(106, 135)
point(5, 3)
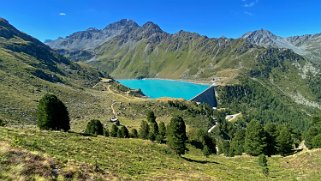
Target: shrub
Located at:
point(94, 127)
point(52, 114)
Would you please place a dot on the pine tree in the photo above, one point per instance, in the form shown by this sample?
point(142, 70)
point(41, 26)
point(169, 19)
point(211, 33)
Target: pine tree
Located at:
point(114, 131)
point(237, 142)
point(144, 130)
point(284, 141)
point(120, 134)
point(263, 163)
point(94, 127)
point(162, 130)
point(309, 135)
point(2, 123)
point(176, 135)
point(312, 132)
point(134, 133)
point(151, 118)
point(207, 143)
point(255, 140)
point(52, 114)
point(153, 132)
point(316, 141)
point(124, 132)
point(106, 132)
point(271, 135)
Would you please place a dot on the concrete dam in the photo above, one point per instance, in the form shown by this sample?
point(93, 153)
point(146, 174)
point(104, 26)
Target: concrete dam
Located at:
point(207, 97)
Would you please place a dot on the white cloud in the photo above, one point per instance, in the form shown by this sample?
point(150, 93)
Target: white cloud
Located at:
point(250, 4)
point(248, 13)
point(62, 14)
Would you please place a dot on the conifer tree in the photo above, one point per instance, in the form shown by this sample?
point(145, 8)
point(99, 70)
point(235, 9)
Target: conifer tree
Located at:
point(114, 131)
point(264, 164)
point(106, 132)
point(271, 135)
point(284, 141)
point(94, 127)
point(255, 139)
point(144, 130)
point(162, 129)
point(124, 132)
point(134, 133)
point(151, 118)
point(176, 135)
point(52, 114)
point(162, 132)
point(237, 142)
point(153, 132)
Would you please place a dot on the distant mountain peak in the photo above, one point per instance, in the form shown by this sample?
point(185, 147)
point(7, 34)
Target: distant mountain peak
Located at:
point(92, 29)
point(259, 34)
point(122, 23)
point(151, 26)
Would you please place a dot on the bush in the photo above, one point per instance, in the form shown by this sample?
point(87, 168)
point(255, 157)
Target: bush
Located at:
point(94, 127)
point(52, 114)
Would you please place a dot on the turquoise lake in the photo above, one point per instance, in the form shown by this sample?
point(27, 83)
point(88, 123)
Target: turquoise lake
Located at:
point(156, 88)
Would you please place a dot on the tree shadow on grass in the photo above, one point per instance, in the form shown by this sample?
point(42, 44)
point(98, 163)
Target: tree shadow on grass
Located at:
point(199, 161)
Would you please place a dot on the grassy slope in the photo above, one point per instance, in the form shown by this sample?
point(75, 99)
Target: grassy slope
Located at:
point(176, 58)
point(138, 159)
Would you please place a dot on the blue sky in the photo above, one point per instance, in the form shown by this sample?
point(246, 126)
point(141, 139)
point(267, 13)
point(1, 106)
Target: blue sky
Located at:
point(49, 19)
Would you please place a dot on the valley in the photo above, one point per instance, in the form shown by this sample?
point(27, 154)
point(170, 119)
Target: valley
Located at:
point(266, 86)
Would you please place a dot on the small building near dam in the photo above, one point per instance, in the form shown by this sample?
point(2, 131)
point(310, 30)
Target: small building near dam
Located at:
point(207, 97)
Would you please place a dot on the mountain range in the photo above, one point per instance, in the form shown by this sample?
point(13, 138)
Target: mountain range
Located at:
point(259, 62)
point(291, 66)
point(128, 50)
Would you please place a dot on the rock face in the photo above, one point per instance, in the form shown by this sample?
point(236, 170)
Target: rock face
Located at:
point(306, 45)
point(267, 39)
point(92, 37)
point(207, 97)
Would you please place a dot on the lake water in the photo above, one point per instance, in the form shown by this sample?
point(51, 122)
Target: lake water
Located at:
point(156, 88)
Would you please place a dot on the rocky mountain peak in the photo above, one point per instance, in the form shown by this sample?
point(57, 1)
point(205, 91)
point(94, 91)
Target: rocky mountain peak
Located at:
point(260, 36)
point(150, 26)
point(122, 24)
